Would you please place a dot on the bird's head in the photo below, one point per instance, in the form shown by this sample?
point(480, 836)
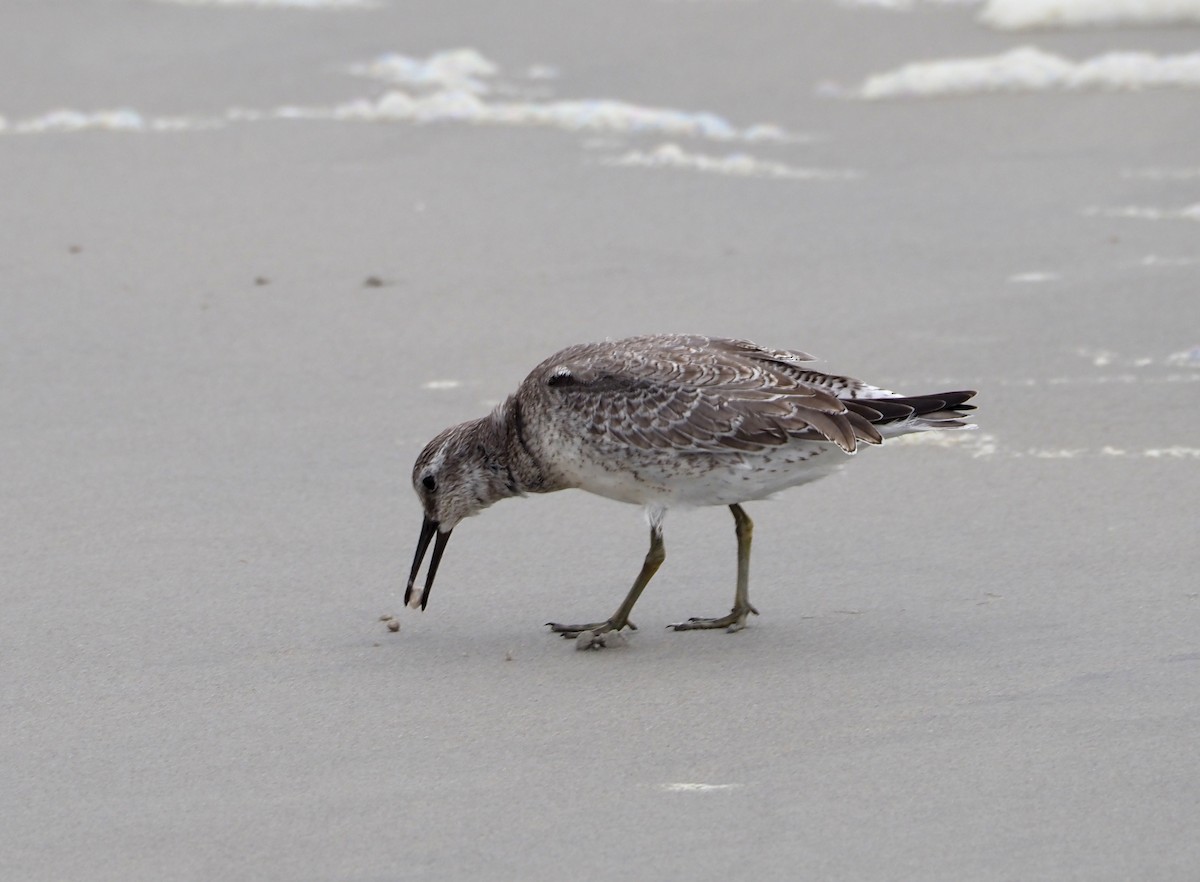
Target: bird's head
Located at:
point(459, 473)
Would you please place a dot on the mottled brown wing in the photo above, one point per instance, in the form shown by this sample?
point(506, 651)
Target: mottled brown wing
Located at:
point(871, 404)
point(696, 394)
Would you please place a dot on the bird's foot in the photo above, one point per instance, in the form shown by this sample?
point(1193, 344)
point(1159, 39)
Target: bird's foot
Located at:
point(735, 621)
point(597, 635)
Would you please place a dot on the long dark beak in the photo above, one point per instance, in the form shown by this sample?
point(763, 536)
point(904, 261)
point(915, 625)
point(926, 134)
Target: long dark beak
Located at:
point(428, 528)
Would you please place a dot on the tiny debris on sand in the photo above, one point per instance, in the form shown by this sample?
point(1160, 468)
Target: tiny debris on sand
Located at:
point(373, 282)
point(608, 640)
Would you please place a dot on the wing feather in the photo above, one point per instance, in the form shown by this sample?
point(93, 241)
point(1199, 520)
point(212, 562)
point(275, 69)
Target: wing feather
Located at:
point(695, 394)
point(692, 394)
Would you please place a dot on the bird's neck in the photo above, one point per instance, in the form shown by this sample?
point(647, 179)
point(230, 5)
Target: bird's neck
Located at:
point(507, 431)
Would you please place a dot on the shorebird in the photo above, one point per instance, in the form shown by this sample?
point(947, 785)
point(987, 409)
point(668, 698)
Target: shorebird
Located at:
point(661, 421)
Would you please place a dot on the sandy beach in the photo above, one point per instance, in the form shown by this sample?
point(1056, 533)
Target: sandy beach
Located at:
point(256, 256)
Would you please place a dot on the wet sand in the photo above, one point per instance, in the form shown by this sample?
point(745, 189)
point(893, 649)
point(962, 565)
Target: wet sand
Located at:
point(223, 349)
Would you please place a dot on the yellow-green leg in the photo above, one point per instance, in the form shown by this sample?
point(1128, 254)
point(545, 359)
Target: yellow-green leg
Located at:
point(590, 636)
point(736, 620)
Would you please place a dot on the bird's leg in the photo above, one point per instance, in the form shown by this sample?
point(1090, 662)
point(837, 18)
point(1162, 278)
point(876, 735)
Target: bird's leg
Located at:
point(736, 620)
point(590, 636)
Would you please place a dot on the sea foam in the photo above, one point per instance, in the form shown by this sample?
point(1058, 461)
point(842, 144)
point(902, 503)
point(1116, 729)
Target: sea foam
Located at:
point(604, 115)
point(1147, 212)
point(457, 86)
point(122, 119)
point(462, 86)
point(1028, 69)
point(735, 164)
point(458, 69)
point(1012, 15)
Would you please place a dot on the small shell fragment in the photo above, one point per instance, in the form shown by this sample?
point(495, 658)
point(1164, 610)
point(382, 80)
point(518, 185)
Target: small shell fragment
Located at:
point(592, 640)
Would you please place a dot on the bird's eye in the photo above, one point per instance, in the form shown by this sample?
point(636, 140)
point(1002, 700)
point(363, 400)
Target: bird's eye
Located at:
point(429, 482)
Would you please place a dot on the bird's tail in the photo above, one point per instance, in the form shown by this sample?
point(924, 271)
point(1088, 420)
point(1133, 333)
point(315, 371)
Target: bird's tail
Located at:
point(901, 415)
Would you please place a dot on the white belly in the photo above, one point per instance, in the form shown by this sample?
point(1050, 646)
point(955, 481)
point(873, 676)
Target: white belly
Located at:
point(665, 479)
